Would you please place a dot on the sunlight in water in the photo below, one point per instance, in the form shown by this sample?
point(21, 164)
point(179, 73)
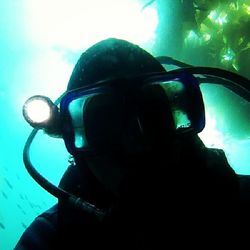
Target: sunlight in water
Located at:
point(211, 135)
point(77, 24)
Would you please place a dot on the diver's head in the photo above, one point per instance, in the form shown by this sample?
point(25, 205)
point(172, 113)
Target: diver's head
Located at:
point(111, 126)
point(119, 107)
point(106, 116)
point(111, 58)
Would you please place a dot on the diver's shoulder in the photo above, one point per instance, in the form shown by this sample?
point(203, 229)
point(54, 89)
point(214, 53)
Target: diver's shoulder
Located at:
point(244, 183)
point(41, 234)
point(50, 214)
point(216, 155)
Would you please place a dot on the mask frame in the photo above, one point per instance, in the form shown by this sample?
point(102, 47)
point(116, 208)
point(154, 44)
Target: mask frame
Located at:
point(181, 90)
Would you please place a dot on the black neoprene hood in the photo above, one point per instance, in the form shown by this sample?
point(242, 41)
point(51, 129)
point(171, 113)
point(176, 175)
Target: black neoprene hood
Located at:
point(111, 58)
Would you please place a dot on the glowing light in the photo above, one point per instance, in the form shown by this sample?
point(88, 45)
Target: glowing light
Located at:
point(192, 39)
point(218, 17)
point(228, 56)
point(222, 20)
point(77, 24)
point(212, 15)
point(38, 111)
point(192, 35)
point(246, 8)
point(206, 37)
point(236, 67)
point(233, 6)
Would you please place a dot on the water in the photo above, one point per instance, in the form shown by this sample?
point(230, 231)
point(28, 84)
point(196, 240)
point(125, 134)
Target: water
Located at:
point(40, 43)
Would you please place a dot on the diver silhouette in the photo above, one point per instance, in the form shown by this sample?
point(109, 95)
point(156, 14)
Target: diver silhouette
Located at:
point(141, 177)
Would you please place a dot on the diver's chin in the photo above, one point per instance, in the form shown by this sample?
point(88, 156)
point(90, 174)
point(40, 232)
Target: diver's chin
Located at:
point(125, 173)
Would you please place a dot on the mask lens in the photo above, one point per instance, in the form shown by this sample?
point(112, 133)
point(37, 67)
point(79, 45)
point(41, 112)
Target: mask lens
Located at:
point(177, 96)
point(76, 109)
point(95, 121)
point(98, 118)
point(184, 101)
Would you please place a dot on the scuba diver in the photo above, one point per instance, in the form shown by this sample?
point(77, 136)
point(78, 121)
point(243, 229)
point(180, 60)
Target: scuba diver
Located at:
point(140, 178)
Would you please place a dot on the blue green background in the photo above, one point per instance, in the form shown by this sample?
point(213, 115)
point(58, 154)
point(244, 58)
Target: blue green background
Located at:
point(40, 42)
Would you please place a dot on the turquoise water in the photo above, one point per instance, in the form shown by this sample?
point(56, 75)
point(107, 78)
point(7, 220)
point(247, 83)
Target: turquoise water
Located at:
point(40, 43)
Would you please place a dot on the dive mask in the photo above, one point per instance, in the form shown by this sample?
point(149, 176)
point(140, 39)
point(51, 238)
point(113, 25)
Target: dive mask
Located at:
point(102, 114)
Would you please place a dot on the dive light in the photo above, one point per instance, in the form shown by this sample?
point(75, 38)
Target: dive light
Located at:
point(41, 113)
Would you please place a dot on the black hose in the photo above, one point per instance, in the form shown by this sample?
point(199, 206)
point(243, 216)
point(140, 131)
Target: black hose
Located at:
point(170, 61)
point(76, 202)
point(240, 82)
point(228, 79)
point(48, 186)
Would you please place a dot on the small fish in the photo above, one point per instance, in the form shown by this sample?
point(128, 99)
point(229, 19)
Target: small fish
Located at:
point(34, 205)
point(24, 225)
point(8, 183)
point(147, 4)
point(31, 204)
point(2, 225)
point(4, 195)
point(19, 206)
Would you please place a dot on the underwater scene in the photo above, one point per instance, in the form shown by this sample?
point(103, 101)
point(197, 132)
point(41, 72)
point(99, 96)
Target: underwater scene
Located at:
point(41, 40)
